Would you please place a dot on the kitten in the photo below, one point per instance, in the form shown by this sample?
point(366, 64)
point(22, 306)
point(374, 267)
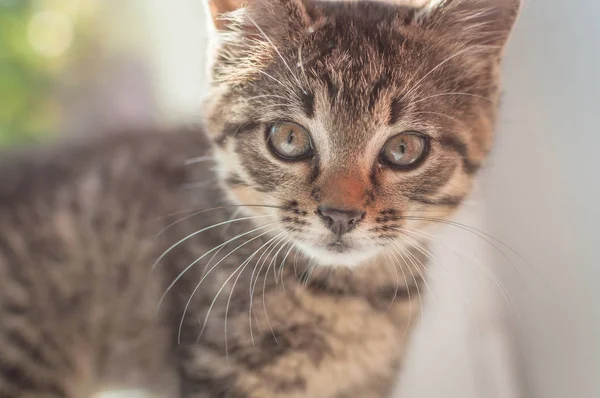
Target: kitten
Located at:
point(282, 246)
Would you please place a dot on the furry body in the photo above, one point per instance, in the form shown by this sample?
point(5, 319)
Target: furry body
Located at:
point(78, 298)
point(258, 295)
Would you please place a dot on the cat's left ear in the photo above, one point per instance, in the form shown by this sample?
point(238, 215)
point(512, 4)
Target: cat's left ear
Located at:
point(477, 22)
point(278, 15)
point(218, 8)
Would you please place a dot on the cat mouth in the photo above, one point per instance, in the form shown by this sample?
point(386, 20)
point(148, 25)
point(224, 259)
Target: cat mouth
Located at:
point(339, 247)
point(339, 252)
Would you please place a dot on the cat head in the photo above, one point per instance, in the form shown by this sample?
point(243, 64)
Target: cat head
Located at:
point(356, 123)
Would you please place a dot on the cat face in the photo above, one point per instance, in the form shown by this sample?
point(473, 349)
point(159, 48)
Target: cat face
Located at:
point(359, 122)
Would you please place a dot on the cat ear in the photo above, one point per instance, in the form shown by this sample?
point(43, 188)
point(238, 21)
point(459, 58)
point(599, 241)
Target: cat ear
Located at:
point(282, 18)
point(218, 8)
point(257, 15)
point(250, 36)
point(478, 22)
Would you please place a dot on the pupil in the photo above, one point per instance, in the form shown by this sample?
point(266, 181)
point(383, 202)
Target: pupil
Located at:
point(290, 138)
point(402, 148)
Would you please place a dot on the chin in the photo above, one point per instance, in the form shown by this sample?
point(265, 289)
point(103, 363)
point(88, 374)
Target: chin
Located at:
point(338, 256)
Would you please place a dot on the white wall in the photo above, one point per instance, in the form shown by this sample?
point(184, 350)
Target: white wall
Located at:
point(544, 195)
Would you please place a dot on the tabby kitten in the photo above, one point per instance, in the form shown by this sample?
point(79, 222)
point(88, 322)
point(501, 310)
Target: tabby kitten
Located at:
point(283, 244)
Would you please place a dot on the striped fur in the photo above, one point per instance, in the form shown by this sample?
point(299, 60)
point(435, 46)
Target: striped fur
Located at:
point(194, 264)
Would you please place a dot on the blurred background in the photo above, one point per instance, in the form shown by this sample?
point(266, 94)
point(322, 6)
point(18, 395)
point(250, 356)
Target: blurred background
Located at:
point(522, 319)
point(84, 66)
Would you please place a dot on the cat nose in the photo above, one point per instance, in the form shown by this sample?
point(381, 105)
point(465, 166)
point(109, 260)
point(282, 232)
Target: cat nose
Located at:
point(340, 221)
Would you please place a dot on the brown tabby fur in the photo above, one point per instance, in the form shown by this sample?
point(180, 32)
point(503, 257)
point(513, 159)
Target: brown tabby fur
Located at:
point(83, 224)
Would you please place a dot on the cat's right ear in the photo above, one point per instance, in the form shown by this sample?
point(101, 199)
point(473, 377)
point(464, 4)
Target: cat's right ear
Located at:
point(479, 22)
point(218, 8)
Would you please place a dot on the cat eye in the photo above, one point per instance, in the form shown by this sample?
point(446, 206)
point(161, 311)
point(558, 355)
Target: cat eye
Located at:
point(405, 150)
point(290, 141)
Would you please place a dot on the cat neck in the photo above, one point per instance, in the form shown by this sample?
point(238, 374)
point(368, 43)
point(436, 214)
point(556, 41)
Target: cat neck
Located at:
point(380, 280)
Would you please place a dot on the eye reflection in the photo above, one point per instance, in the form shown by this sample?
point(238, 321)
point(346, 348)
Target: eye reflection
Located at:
point(404, 150)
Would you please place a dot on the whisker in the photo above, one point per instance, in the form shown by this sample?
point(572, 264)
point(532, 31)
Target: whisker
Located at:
point(276, 255)
point(271, 249)
point(283, 264)
point(243, 266)
point(396, 287)
point(404, 261)
point(271, 77)
point(186, 269)
point(200, 211)
point(267, 96)
point(311, 266)
point(273, 261)
point(198, 159)
point(421, 270)
point(437, 114)
point(274, 48)
point(301, 62)
point(235, 214)
point(407, 285)
point(488, 239)
point(166, 252)
point(464, 50)
point(417, 245)
point(456, 93)
point(296, 261)
point(266, 252)
point(465, 256)
point(220, 290)
point(199, 184)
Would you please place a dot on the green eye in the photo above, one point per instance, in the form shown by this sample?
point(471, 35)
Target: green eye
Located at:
point(290, 141)
point(405, 150)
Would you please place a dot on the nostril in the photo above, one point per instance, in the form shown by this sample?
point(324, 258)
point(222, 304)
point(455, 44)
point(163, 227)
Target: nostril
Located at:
point(340, 221)
point(355, 219)
point(326, 218)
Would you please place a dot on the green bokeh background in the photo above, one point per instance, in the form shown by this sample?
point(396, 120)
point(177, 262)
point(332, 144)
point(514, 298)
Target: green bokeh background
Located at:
point(27, 110)
point(31, 110)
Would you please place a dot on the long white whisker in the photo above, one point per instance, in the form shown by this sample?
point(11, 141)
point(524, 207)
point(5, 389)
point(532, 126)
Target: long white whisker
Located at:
point(410, 304)
point(203, 230)
point(199, 211)
point(276, 255)
point(267, 96)
point(274, 48)
point(197, 159)
point(220, 290)
point(417, 245)
point(301, 62)
point(456, 93)
point(186, 269)
point(276, 80)
point(410, 257)
point(296, 261)
point(397, 286)
point(437, 114)
point(416, 85)
point(243, 265)
point(467, 257)
point(486, 238)
point(292, 246)
point(235, 214)
point(273, 261)
point(404, 261)
point(265, 253)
